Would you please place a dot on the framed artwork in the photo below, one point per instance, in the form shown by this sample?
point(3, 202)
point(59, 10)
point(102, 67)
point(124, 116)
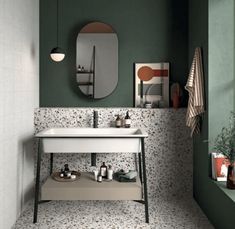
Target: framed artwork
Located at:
point(151, 85)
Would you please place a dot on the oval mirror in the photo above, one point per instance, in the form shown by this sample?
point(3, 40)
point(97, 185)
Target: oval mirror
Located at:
point(97, 60)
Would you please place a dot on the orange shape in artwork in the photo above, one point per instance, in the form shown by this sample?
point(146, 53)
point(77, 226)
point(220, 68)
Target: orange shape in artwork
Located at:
point(145, 73)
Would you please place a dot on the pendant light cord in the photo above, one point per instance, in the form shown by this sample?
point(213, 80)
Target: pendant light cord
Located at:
point(57, 23)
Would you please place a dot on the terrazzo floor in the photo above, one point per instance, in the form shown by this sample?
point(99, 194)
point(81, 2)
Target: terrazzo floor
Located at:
point(174, 213)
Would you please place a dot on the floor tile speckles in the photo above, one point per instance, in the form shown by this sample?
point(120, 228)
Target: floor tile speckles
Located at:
point(174, 213)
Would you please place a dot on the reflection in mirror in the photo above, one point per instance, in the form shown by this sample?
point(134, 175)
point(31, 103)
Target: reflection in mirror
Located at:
point(97, 60)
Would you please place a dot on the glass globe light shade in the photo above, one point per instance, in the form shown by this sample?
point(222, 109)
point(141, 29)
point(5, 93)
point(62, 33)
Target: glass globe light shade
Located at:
point(57, 54)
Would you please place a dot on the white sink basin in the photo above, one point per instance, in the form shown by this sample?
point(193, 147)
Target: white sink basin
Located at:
point(87, 140)
point(92, 132)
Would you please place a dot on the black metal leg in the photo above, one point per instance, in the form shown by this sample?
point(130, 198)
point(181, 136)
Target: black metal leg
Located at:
point(36, 201)
point(145, 182)
point(140, 168)
point(51, 163)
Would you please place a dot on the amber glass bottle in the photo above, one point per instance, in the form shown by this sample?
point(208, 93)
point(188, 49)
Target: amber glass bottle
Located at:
point(127, 120)
point(103, 170)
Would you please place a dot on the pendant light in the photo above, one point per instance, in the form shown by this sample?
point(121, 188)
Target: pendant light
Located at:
point(57, 54)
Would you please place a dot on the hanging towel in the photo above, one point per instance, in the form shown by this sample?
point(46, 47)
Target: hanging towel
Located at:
point(195, 89)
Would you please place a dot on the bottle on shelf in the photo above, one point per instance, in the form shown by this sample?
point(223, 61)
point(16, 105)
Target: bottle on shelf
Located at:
point(96, 173)
point(67, 172)
point(79, 68)
point(103, 170)
point(110, 173)
point(127, 122)
point(118, 122)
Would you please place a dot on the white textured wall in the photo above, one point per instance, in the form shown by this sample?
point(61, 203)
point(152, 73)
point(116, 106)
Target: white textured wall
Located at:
point(19, 92)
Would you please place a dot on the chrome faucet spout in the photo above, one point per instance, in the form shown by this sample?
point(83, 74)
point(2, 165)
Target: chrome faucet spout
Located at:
point(95, 119)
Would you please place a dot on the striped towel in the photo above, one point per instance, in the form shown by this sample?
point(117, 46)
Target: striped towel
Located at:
point(195, 89)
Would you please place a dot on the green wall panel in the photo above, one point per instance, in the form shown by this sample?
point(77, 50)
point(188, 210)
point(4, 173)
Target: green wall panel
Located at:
point(148, 31)
point(221, 64)
point(211, 26)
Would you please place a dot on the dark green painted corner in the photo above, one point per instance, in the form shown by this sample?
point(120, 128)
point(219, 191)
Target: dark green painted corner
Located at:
point(148, 31)
point(211, 27)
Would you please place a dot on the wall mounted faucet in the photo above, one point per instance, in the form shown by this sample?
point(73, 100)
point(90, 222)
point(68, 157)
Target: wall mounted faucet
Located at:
point(95, 119)
point(95, 125)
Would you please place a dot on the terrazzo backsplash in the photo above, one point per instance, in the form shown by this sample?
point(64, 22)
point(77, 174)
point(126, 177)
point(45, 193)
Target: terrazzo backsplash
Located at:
point(168, 146)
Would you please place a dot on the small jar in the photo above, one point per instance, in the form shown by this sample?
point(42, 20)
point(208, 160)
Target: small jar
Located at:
point(73, 177)
point(99, 179)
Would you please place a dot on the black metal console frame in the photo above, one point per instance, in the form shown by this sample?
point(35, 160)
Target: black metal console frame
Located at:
point(142, 174)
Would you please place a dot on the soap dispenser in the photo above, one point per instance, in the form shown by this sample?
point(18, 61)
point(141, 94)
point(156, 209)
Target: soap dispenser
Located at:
point(127, 122)
point(118, 122)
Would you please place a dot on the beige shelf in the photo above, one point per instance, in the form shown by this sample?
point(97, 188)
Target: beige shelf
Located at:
point(85, 188)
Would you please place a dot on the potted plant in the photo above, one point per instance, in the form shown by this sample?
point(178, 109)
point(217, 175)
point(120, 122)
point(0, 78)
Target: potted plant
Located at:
point(225, 144)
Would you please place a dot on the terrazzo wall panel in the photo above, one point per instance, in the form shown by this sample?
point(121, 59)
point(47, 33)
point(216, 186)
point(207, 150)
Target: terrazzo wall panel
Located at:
point(168, 146)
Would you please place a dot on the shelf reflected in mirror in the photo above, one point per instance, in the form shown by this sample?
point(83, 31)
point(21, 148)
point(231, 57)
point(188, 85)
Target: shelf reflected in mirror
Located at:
point(97, 60)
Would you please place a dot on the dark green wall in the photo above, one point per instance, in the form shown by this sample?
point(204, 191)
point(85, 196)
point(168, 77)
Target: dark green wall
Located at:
point(209, 29)
point(148, 31)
